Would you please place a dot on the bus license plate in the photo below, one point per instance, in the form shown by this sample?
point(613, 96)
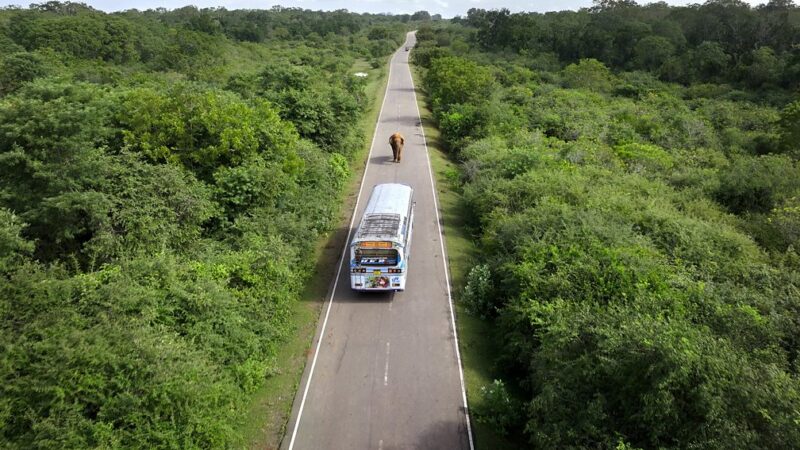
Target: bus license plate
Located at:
point(376, 272)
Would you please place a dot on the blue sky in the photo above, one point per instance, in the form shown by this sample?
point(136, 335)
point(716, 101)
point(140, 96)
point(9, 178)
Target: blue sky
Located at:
point(447, 8)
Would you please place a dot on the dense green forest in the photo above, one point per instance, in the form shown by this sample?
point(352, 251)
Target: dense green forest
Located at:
point(164, 177)
point(632, 182)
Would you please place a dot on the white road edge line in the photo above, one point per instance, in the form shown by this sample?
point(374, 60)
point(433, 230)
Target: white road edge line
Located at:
point(446, 269)
point(341, 259)
point(386, 368)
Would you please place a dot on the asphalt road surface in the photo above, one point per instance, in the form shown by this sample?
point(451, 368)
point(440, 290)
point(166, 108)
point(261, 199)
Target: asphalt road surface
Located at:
point(384, 372)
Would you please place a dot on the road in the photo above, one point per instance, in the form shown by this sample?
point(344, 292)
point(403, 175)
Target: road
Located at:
point(384, 372)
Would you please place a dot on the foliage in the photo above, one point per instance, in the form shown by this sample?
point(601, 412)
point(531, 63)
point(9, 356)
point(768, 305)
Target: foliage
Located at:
point(160, 199)
point(203, 129)
point(12, 244)
point(498, 409)
point(319, 106)
point(758, 184)
point(588, 74)
point(477, 292)
point(18, 68)
point(652, 52)
point(715, 40)
point(790, 127)
point(453, 80)
point(636, 236)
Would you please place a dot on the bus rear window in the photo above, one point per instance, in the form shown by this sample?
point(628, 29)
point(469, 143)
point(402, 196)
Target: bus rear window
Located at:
point(376, 257)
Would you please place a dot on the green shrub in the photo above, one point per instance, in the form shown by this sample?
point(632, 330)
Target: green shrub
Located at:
point(477, 294)
point(498, 409)
point(642, 157)
point(12, 245)
point(18, 68)
point(588, 74)
point(758, 184)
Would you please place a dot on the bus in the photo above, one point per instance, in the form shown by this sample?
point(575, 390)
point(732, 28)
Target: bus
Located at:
point(380, 247)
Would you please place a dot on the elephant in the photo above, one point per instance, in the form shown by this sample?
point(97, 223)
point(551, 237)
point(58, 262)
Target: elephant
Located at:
point(396, 141)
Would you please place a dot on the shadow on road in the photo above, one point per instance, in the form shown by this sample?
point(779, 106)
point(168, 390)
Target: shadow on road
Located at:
point(381, 160)
point(350, 296)
point(437, 436)
point(440, 435)
point(407, 89)
point(406, 120)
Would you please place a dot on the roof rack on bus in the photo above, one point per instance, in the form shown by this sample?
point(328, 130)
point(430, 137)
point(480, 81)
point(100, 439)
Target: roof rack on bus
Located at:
point(379, 225)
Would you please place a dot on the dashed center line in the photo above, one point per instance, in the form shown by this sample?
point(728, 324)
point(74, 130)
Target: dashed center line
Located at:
point(380, 444)
point(386, 367)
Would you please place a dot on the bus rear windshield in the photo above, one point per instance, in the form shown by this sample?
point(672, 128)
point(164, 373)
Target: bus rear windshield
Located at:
point(376, 257)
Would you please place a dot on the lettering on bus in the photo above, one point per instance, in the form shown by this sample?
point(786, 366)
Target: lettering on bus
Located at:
point(375, 244)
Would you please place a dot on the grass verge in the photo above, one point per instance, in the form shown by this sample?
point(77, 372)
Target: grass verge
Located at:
point(477, 351)
point(272, 405)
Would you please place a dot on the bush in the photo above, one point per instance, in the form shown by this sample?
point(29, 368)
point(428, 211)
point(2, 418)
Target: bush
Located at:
point(459, 124)
point(588, 74)
point(18, 68)
point(477, 294)
point(758, 184)
point(498, 409)
point(12, 245)
point(452, 80)
point(642, 157)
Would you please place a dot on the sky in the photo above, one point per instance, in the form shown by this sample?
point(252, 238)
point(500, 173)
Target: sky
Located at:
point(447, 8)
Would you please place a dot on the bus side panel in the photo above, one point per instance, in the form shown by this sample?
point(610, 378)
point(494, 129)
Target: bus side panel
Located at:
point(407, 248)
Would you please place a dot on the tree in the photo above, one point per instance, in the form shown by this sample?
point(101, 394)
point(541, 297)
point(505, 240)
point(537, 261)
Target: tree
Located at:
point(457, 80)
point(18, 68)
point(790, 127)
point(204, 129)
point(421, 16)
point(652, 51)
point(764, 68)
point(12, 245)
point(588, 74)
point(613, 4)
point(710, 60)
point(758, 184)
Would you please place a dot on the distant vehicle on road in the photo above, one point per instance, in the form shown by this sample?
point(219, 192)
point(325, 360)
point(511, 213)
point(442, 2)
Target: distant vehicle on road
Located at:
point(380, 247)
point(406, 48)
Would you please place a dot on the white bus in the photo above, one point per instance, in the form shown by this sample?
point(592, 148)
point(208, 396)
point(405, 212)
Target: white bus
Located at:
point(380, 247)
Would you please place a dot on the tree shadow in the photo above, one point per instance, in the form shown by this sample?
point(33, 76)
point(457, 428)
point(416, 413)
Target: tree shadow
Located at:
point(406, 120)
point(407, 89)
point(439, 435)
point(320, 282)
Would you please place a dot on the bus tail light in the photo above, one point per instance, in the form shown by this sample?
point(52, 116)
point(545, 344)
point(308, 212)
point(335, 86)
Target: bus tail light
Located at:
point(359, 270)
point(395, 270)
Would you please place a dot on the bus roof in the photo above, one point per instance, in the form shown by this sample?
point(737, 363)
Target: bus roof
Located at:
point(385, 215)
point(389, 198)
